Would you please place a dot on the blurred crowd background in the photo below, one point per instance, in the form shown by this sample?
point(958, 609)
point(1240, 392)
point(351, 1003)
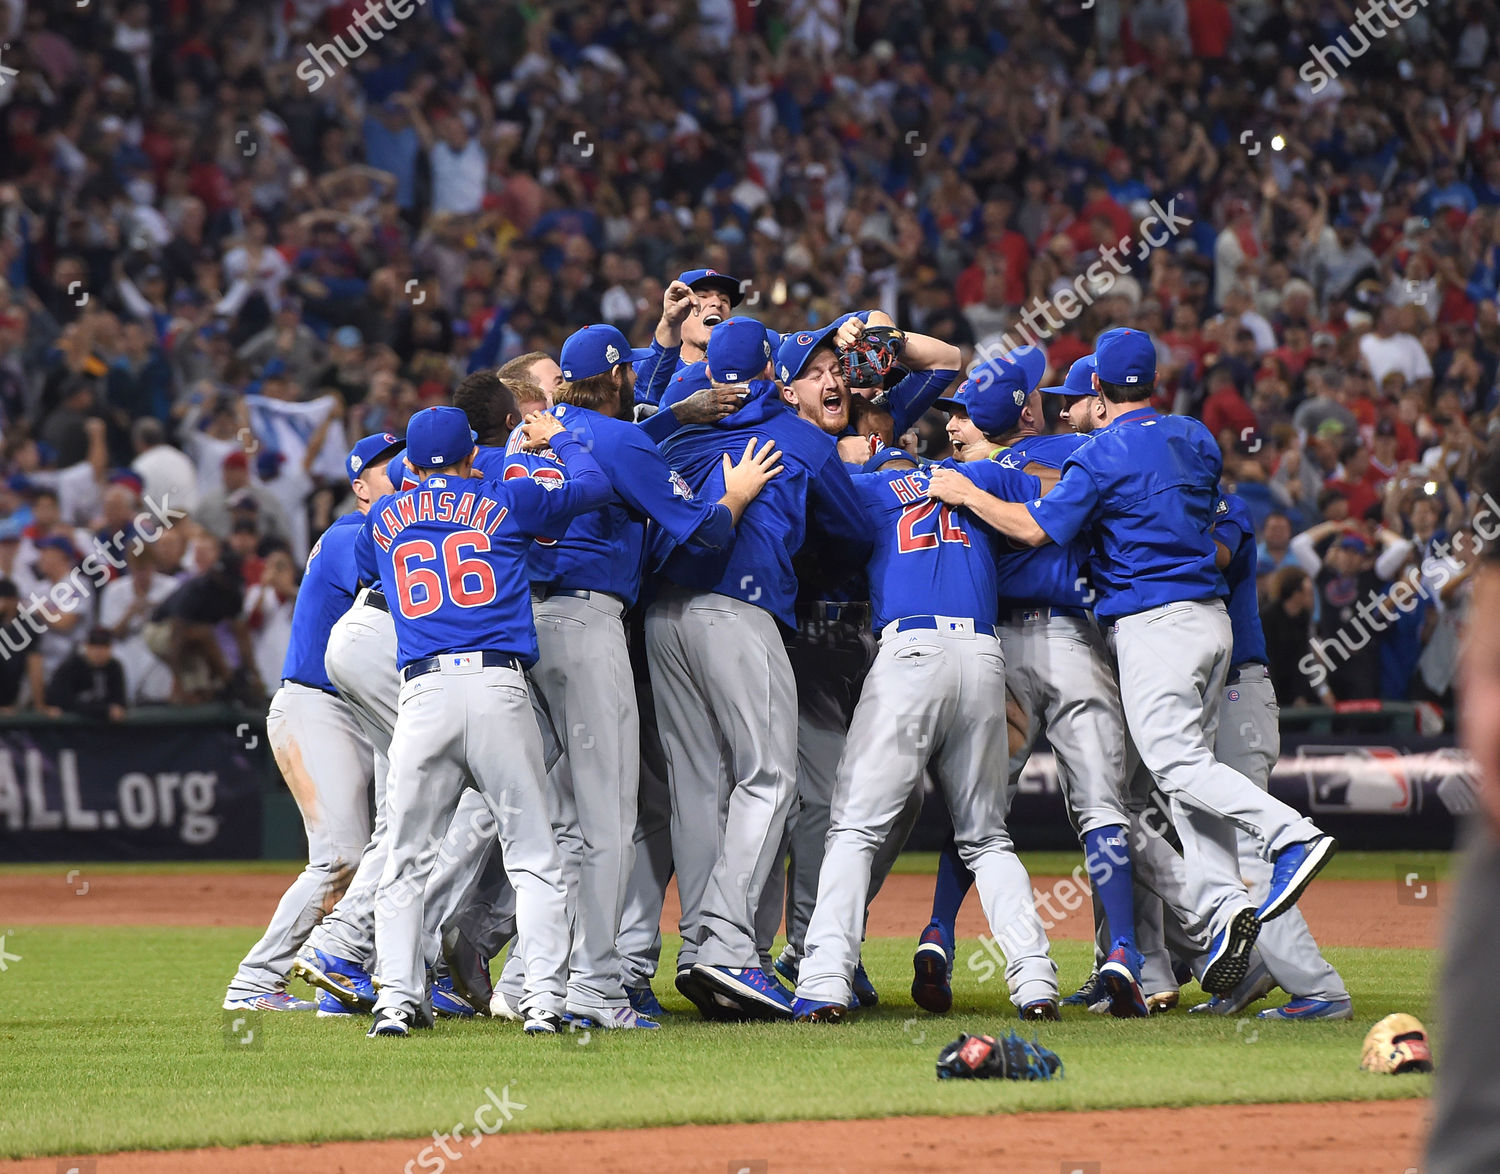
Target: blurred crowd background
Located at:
point(235, 236)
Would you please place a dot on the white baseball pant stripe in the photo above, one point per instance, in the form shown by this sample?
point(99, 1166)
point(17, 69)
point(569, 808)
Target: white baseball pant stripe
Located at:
point(469, 725)
point(1172, 662)
point(327, 763)
point(931, 700)
point(1249, 740)
point(724, 701)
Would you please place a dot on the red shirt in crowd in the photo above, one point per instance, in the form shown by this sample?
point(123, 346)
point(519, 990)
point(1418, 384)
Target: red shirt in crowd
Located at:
point(1227, 409)
point(1210, 25)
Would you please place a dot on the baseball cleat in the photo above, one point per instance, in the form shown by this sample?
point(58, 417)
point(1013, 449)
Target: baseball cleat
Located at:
point(1091, 995)
point(348, 982)
point(749, 987)
point(503, 1008)
point(393, 1021)
point(272, 1001)
point(447, 1002)
point(1120, 975)
point(542, 1023)
point(331, 1008)
point(1292, 871)
point(865, 994)
point(1041, 1010)
point(645, 1002)
point(787, 964)
point(713, 1006)
point(469, 969)
point(1311, 1009)
point(613, 1019)
point(1255, 986)
point(817, 1011)
point(1229, 953)
point(1162, 1001)
point(932, 966)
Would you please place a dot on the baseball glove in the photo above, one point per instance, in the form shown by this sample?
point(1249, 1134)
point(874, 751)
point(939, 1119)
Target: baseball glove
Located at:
point(870, 359)
point(983, 1057)
point(1398, 1043)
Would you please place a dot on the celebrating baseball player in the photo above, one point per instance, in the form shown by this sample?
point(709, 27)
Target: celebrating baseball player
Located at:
point(935, 696)
point(582, 582)
point(1145, 486)
point(325, 757)
point(453, 552)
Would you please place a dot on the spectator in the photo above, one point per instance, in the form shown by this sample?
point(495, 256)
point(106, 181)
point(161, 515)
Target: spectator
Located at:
point(1286, 618)
point(125, 607)
point(184, 631)
point(167, 474)
point(268, 612)
point(241, 498)
point(90, 682)
point(19, 658)
point(1389, 349)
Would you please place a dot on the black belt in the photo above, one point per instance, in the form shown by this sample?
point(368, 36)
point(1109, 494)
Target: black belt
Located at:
point(372, 597)
point(434, 664)
point(542, 594)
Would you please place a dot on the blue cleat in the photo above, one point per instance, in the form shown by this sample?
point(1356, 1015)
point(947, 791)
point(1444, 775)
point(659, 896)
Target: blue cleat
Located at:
point(346, 981)
point(787, 964)
point(1229, 953)
point(865, 994)
point(755, 992)
point(1292, 871)
point(274, 1001)
point(447, 1002)
point(615, 1018)
point(643, 999)
point(1041, 1010)
point(1092, 994)
point(817, 1011)
point(932, 969)
point(1311, 1009)
point(1121, 976)
point(331, 1008)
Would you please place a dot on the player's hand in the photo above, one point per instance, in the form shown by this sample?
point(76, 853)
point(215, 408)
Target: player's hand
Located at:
point(856, 450)
point(950, 487)
point(538, 431)
point(677, 303)
point(708, 406)
point(848, 334)
point(744, 479)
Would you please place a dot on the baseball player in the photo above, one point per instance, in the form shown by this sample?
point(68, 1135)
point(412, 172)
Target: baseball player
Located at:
point(1057, 669)
point(453, 554)
point(582, 583)
point(1145, 486)
point(464, 922)
point(934, 697)
point(720, 674)
point(323, 754)
point(832, 648)
point(696, 302)
point(1249, 740)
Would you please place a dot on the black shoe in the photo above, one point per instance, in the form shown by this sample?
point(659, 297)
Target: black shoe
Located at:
point(392, 1021)
point(713, 1006)
point(469, 969)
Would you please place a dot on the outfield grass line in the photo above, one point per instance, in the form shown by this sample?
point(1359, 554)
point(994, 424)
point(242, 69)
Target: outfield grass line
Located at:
point(123, 1029)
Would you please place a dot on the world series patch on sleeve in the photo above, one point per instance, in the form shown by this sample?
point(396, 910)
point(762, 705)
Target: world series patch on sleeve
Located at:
point(986, 1057)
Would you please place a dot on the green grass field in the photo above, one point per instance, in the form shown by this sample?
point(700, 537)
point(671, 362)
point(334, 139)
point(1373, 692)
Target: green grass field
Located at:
point(113, 1039)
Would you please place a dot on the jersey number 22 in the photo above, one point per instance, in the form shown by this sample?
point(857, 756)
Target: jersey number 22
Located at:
point(909, 539)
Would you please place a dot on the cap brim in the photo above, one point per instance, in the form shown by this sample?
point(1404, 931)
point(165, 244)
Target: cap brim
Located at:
point(638, 354)
point(948, 405)
point(1066, 391)
point(730, 287)
point(879, 459)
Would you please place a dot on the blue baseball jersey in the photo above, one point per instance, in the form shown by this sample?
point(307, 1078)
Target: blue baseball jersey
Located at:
point(327, 592)
point(813, 486)
point(1234, 527)
point(452, 555)
point(654, 374)
point(1055, 574)
point(930, 559)
point(605, 550)
point(1144, 487)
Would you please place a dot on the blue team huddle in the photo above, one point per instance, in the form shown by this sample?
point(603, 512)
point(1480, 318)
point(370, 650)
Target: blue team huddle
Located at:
point(703, 618)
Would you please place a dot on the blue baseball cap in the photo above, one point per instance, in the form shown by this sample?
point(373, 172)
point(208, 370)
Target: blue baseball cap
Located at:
point(1033, 361)
point(595, 350)
point(1125, 356)
point(438, 437)
point(1079, 380)
point(694, 278)
point(796, 349)
point(885, 455)
point(738, 351)
point(687, 381)
point(406, 479)
point(774, 339)
point(368, 450)
point(993, 395)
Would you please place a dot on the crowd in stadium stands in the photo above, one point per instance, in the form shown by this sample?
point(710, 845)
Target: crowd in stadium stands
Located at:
point(235, 236)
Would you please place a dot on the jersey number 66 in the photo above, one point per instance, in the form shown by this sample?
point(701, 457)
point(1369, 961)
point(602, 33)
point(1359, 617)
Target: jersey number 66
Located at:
point(422, 575)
